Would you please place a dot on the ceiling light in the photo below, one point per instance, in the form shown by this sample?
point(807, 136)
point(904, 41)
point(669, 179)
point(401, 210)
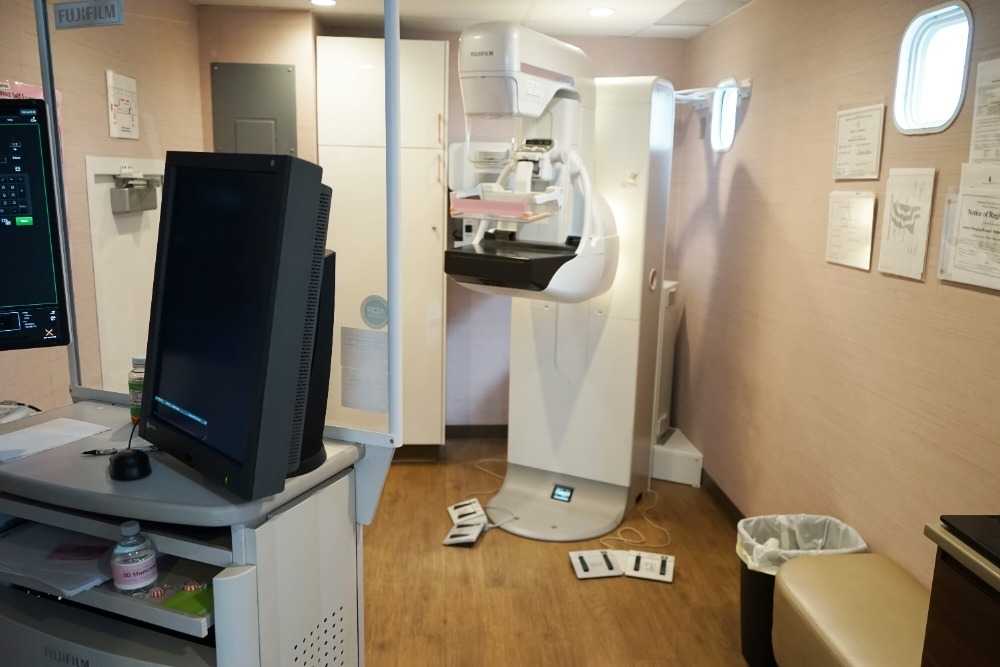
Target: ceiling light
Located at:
point(601, 12)
point(324, 3)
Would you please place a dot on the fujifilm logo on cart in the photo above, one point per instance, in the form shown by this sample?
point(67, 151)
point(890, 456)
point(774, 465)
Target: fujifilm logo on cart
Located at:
point(58, 657)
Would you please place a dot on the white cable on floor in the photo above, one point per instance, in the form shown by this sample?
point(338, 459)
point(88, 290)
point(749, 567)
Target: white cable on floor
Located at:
point(633, 536)
point(512, 517)
point(478, 465)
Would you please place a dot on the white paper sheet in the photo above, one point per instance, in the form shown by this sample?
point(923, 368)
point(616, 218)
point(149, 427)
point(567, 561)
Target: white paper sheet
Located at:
point(40, 437)
point(123, 106)
point(58, 560)
point(948, 234)
point(849, 228)
point(985, 145)
point(859, 143)
point(974, 243)
point(906, 222)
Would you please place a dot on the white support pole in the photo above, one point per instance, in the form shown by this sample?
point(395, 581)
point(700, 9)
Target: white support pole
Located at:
point(55, 142)
point(373, 467)
point(392, 220)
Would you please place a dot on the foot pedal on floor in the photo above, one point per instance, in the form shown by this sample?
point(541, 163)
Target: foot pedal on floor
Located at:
point(645, 565)
point(595, 564)
point(464, 534)
point(467, 511)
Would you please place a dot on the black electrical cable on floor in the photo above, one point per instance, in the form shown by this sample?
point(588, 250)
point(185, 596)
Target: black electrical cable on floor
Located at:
point(130, 434)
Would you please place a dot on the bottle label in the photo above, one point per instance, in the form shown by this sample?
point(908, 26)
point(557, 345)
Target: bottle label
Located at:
point(135, 397)
point(138, 571)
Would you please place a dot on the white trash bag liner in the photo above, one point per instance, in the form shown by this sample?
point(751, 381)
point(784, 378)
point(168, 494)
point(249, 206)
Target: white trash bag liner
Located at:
point(764, 543)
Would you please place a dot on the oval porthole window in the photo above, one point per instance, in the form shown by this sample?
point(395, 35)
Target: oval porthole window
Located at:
point(933, 68)
point(725, 103)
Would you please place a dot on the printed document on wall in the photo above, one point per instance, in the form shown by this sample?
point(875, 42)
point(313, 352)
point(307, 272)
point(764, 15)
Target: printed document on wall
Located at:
point(123, 106)
point(849, 229)
point(948, 234)
point(906, 222)
point(985, 147)
point(974, 242)
point(859, 143)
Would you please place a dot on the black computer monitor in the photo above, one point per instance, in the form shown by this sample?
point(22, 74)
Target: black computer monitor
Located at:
point(32, 293)
point(235, 298)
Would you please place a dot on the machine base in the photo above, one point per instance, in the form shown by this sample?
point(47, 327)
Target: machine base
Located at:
point(528, 494)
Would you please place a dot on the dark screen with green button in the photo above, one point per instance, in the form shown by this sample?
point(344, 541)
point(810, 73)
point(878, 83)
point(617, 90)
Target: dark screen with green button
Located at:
point(31, 310)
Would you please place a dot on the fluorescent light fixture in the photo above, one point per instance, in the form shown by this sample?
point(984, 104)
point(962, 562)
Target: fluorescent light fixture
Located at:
point(324, 3)
point(601, 12)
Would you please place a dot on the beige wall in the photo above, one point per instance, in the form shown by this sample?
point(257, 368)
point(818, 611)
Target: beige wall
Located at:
point(242, 35)
point(158, 45)
point(811, 387)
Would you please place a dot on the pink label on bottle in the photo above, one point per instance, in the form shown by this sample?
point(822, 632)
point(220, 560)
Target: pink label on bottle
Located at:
point(138, 573)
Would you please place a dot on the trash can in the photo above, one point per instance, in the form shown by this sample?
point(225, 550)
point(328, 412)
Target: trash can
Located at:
point(763, 543)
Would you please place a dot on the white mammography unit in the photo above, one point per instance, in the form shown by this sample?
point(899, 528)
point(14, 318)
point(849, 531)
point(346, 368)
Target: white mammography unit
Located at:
point(574, 230)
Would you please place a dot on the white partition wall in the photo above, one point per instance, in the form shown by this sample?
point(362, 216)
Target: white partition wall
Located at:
point(351, 130)
point(124, 248)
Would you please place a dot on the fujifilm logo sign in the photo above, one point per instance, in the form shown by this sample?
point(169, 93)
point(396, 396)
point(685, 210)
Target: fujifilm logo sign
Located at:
point(482, 53)
point(58, 657)
point(88, 13)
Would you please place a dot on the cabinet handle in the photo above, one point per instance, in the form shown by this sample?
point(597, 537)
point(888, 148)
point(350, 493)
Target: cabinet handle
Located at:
point(440, 170)
point(440, 129)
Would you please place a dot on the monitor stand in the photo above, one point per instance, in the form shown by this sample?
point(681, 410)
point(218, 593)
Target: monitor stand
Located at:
point(313, 452)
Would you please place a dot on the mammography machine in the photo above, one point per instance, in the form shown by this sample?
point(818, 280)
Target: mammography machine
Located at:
point(573, 228)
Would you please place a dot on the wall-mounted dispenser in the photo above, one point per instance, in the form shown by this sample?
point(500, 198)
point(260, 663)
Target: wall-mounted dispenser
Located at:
point(133, 192)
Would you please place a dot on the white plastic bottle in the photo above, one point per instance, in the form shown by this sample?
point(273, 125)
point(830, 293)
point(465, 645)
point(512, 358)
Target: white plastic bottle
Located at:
point(133, 561)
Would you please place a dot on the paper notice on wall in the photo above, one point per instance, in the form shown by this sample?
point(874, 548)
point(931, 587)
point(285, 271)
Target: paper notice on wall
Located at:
point(849, 229)
point(985, 145)
point(948, 234)
point(906, 222)
point(123, 106)
point(859, 143)
point(974, 238)
point(364, 372)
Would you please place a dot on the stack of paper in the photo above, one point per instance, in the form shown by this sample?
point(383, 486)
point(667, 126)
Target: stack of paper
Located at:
point(40, 437)
point(57, 560)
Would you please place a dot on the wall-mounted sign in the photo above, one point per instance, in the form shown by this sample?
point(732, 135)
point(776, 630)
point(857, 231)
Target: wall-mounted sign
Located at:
point(88, 13)
point(375, 311)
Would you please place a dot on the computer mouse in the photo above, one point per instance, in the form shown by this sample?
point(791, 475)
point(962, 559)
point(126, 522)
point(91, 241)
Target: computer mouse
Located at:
point(129, 465)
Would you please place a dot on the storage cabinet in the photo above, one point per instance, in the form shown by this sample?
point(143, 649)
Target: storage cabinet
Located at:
point(351, 127)
point(284, 570)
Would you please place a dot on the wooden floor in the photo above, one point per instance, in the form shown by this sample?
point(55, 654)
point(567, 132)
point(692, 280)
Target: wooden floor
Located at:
point(512, 601)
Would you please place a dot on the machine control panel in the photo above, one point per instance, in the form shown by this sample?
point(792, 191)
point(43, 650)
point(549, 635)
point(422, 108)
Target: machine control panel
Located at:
point(562, 493)
point(32, 302)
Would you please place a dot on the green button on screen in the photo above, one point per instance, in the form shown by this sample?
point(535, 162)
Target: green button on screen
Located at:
point(24, 221)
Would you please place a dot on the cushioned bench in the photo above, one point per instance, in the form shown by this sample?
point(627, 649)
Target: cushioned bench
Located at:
point(861, 609)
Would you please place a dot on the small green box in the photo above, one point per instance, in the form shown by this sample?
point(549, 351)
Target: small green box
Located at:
point(24, 221)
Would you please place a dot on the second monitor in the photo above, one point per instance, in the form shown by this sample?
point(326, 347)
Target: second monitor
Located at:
point(236, 293)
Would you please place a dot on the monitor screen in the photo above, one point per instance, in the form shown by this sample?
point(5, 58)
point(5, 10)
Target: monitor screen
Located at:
point(212, 343)
point(32, 305)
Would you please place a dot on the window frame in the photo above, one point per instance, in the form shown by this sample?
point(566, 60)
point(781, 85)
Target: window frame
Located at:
point(910, 50)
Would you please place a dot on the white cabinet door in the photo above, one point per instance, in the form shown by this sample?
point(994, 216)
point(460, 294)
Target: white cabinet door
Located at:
point(350, 91)
point(357, 234)
point(423, 93)
point(350, 82)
